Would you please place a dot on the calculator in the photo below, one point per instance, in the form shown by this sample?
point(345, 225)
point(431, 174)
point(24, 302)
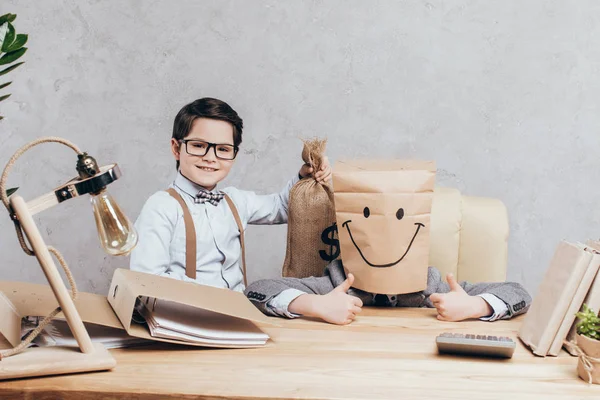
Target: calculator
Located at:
point(475, 345)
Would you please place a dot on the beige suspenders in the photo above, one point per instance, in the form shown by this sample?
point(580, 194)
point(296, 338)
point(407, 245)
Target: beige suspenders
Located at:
point(190, 235)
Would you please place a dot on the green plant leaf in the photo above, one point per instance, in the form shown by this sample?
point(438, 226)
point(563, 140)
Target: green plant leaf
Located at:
point(11, 191)
point(9, 38)
point(589, 323)
point(12, 56)
point(3, 32)
point(5, 85)
point(6, 96)
point(7, 18)
point(7, 70)
point(18, 43)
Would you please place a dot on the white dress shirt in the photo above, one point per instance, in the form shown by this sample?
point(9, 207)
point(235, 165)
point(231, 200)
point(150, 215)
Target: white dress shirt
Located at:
point(160, 226)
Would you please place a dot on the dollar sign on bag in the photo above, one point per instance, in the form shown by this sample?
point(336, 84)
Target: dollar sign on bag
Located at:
point(328, 236)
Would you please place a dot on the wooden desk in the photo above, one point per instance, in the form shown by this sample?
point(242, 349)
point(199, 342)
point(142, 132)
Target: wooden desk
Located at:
point(385, 353)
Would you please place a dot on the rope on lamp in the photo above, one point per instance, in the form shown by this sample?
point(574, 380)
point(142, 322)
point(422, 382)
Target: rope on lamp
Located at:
point(33, 334)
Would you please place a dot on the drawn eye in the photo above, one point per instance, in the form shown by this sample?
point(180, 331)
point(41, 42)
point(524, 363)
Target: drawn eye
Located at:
point(366, 212)
point(400, 213)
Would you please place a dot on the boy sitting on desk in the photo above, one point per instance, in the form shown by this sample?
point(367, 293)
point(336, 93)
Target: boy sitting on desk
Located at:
point(372, 273)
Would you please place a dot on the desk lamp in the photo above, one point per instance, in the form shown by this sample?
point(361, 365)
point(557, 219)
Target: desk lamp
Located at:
point(117, 236)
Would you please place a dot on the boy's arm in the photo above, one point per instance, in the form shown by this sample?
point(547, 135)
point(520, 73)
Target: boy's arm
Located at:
point(155, 227)
point(486, 301)
point(310, 297)
point(280, 304)
point(269, 209)
point(273, 296)
point(273, 209)
point(507, 299)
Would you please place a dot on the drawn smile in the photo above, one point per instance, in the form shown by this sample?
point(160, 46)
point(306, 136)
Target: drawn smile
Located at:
point(347, 226)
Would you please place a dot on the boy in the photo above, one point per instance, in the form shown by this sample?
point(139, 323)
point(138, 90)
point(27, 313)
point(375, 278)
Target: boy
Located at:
point(332, 298)
point(206, 138)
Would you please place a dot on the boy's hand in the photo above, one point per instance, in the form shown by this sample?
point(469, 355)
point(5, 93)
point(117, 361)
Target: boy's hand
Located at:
point(322, 175)
point(338, 307)
point(457, 305)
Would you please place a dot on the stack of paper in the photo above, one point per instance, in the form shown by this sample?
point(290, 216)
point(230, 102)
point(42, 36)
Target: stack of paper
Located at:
point(177, 321)
point(58, 333)
point(566, 286)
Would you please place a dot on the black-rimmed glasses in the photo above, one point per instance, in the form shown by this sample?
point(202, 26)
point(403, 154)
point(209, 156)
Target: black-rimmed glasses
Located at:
point(200, 148)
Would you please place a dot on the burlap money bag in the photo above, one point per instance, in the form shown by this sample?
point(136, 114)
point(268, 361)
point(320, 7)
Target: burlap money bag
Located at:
point(312, 234)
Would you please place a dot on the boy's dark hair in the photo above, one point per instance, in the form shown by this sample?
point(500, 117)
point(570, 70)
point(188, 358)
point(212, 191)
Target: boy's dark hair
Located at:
point(206, 108)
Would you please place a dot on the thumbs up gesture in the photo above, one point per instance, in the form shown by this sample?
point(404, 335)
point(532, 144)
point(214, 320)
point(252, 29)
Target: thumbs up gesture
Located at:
point(457, 305)
point(337, 306)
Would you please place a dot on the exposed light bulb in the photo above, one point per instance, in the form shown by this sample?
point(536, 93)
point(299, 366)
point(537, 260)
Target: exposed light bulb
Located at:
point(117, 234)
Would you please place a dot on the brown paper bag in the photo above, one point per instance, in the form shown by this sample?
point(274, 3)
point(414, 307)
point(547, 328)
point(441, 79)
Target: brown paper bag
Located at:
point(312, 233)
point(589, 350)
point(383, 210)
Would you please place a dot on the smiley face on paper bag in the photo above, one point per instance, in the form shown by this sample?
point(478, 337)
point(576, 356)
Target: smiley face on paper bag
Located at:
point(399, 216)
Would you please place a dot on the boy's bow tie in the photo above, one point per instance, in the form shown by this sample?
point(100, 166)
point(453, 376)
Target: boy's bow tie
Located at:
point(204, 196)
